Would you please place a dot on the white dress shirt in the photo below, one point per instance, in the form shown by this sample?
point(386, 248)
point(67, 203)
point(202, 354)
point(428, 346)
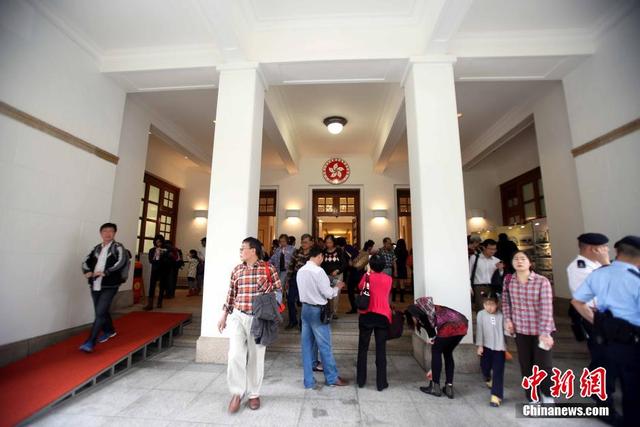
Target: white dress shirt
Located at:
point(484, 270)
point(100, 265)
point(313, 285)
point(577, 271)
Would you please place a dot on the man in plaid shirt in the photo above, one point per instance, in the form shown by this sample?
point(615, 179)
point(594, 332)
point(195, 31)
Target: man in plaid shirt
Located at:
point(245, 368)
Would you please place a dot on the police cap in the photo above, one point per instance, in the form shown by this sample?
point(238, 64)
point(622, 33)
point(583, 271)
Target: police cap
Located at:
point(629, 240)
point(595, 239)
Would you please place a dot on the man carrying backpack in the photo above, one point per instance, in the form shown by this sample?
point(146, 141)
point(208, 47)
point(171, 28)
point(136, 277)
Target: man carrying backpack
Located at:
point(106, 268)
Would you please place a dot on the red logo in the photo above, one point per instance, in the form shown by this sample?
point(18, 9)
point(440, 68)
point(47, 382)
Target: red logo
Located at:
point(336, 171)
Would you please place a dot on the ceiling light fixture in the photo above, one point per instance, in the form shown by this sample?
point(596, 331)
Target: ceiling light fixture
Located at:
point(335, 124)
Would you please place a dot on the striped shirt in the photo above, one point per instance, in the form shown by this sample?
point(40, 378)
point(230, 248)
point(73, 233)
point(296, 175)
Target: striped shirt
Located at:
point(248, 281)
point(529, 306)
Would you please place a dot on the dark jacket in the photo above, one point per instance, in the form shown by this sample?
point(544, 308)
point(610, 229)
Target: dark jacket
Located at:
point(116, 261)
point(266, 319)
point(334, 261)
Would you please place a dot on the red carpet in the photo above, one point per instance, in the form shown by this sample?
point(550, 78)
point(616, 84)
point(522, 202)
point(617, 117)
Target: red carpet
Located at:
point(30, 384)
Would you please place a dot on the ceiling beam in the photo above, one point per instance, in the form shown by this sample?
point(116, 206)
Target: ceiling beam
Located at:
point(391, 126)
point(221, 23)
point(278, 126)
point(452, 13)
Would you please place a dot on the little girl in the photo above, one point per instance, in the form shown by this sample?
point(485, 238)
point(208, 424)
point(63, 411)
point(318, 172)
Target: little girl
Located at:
point(192, 270)
point(491, 347)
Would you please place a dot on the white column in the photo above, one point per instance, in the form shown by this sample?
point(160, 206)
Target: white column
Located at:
point(437, 194)
point(234, 192)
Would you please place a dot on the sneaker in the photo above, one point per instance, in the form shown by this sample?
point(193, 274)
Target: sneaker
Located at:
point(105, 337)
point(432, 388)
point(488, 382)
point(495, 401)
point(86, 347)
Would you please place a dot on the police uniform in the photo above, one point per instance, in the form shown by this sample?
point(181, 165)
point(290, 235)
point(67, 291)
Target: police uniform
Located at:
point(617, 292)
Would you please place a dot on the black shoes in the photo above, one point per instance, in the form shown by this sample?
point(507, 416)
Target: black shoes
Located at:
point(448, 390)
point(432, 388)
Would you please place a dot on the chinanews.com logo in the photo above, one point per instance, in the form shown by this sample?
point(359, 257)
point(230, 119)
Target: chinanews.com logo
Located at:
point(593, 384)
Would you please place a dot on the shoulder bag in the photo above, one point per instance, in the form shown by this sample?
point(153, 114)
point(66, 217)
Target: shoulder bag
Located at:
point(362, 300)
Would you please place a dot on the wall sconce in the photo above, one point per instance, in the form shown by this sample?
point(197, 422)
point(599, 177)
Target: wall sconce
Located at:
point(380, 213)
point(201, 213)
point(476, 213)
point(292, 213)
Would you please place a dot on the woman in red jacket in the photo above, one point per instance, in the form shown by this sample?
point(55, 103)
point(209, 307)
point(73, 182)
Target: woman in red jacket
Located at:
point(376, 318)
point(446, 327)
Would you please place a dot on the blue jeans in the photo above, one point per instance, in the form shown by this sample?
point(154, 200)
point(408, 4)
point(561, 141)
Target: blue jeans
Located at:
point(312, 329)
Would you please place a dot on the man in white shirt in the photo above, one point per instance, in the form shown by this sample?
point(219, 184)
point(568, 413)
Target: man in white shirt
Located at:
point(315, 290)
point(594, 253)
point(481, 269)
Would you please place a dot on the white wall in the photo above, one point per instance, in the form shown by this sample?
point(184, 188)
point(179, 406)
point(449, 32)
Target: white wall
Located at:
point(53, 196)
point(602, 94)
point(562, 199)
point(129, 180)
point(482, 182)
point(193, 180)
point(376, 192)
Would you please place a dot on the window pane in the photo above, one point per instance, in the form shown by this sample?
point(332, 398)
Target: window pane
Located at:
point(321, 200)
point(154, 194)
point(543, 208)
point(263, 201)
point(139, 227)
point(350, 209)
point(527, 191)
point(170, 204)
point(343, 200)
point(148, 244)
point(170, 196)
point(343, 208)
point(329, 208)
point(150, 229)
point(165, 194)
point(270, 208)
point(321, 208)
point(167, 236)
point(351, 201)
point(152, 211)
point(141, 208)
point(530, 210)
point(403, 209)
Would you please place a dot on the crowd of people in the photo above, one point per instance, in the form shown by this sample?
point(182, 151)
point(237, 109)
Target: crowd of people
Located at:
point(510, 298)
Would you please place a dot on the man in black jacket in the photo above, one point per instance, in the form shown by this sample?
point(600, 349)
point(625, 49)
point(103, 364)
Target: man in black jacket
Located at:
point(103, 268)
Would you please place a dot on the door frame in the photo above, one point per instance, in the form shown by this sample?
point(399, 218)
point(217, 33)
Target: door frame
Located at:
point(332, 191)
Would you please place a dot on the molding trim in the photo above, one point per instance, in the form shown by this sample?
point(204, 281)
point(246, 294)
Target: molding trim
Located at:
point(49, 129)
point(608, 137)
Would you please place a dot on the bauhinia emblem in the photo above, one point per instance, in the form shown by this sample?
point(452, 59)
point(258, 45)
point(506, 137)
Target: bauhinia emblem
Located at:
point(336, 171)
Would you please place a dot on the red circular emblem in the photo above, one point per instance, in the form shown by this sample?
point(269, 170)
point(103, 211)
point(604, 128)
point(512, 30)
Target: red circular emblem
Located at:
point(336, 171)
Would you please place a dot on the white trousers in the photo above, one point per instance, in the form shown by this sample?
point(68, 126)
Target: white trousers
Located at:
point(245, 368)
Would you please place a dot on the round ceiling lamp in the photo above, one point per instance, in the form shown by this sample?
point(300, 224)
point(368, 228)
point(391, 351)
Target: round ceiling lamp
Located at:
point(335, 124)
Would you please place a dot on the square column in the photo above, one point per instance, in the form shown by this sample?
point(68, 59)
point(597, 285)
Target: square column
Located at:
point(234, 193)
point(437, 193)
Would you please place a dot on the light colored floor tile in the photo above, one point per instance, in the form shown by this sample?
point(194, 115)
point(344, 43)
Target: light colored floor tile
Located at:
point(274, 411)
point(390, 412)
point(147, 378)
point(70, 420)
point(102, 401)
point(188, 381)
point(158, 404)
point(327, 412)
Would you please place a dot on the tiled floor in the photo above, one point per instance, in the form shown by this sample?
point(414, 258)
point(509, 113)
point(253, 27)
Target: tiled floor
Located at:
point(172, 390)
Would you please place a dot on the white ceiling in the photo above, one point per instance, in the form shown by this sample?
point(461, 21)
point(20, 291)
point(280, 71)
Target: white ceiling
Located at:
point(505, 50)
point(481, 103)
point(539, 15)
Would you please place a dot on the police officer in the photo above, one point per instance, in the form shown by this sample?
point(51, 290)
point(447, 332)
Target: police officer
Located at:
point(594, 253)
point(617, 318)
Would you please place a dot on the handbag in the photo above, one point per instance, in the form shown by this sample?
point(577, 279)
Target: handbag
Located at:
point(396, 326)
point(362, 300)
point(325, 314)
